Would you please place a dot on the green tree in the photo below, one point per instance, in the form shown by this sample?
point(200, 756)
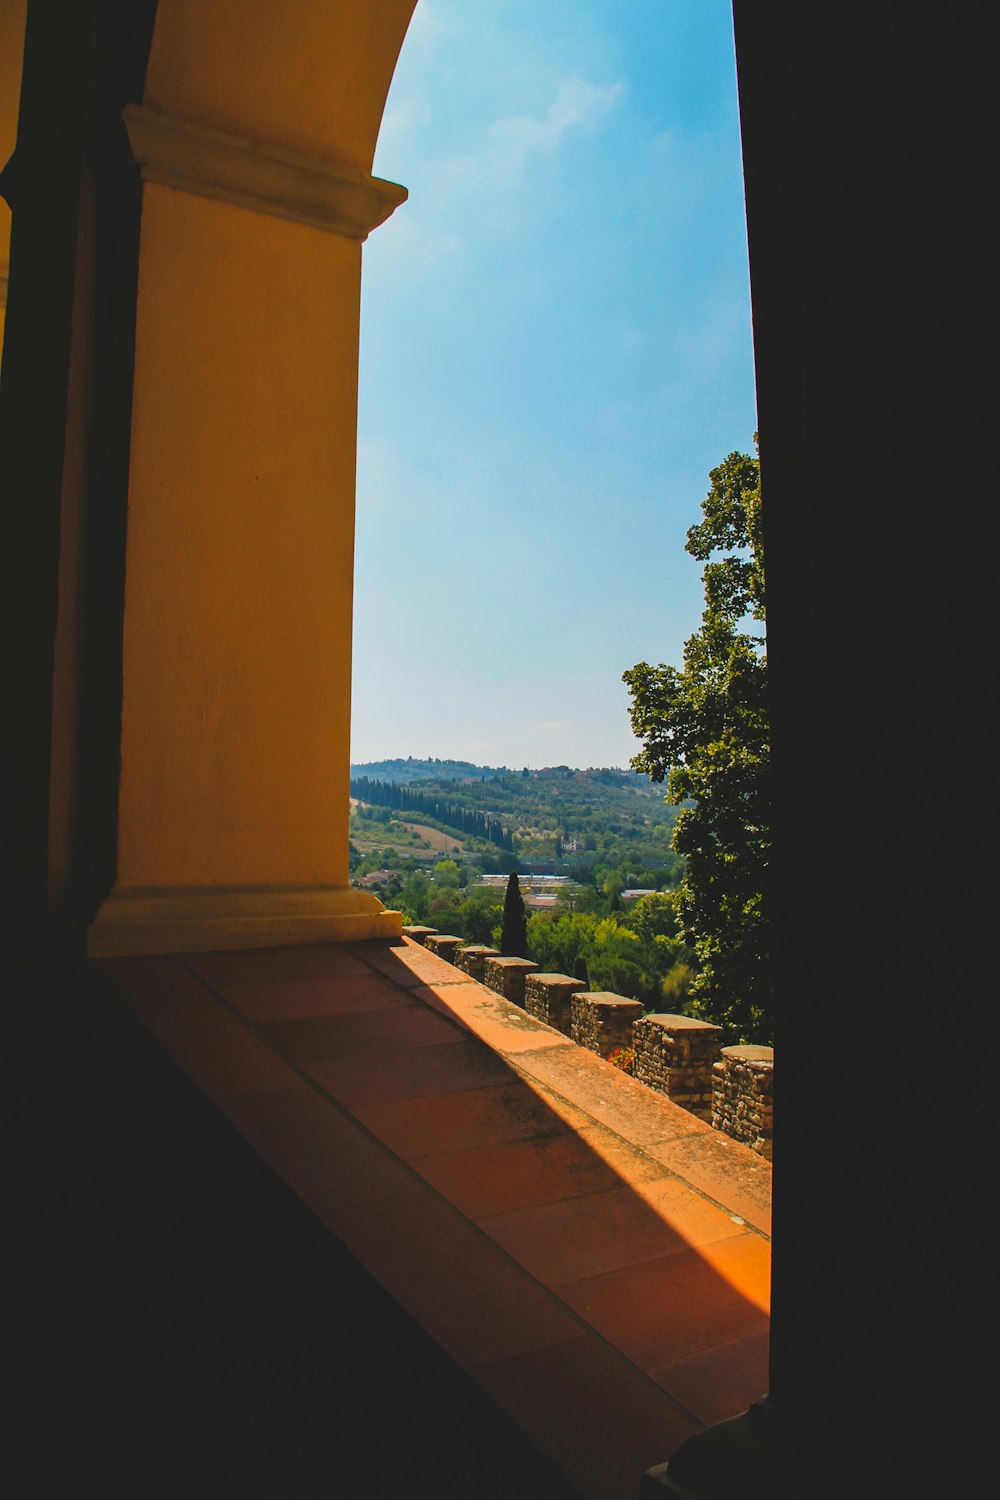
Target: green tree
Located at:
point(447, 875)
point(514, 934)
point(704, 728)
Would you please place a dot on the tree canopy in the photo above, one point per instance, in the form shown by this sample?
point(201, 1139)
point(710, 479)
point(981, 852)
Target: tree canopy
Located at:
point(705, 730)
point(514, 934)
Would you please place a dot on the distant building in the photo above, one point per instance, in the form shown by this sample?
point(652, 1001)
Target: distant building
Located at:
point(635, 894)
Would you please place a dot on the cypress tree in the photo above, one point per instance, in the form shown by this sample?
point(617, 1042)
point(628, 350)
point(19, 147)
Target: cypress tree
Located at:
point(514, 936)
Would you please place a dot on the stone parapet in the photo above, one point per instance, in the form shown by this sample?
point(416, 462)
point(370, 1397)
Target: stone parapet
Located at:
point(444, 944)
point(743, 1096)
point(418, 933)
point(601, 1021)
point(507, 976)
point(548, 997)
point(676, 1054)
point(472, 959)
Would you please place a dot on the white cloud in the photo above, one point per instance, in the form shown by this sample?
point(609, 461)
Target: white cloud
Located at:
point(513, 142)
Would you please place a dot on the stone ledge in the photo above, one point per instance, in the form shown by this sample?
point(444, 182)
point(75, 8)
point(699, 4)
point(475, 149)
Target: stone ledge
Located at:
point(418, 933)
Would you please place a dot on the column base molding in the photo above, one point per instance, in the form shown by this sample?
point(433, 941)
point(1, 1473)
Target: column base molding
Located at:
point(206, 919)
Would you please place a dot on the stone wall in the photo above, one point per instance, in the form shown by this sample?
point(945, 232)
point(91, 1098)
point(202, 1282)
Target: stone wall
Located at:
point(472, 959)
point(507, 976)
point(444, 944)
point(548, 997)
point(675, 1054)
point(743, 1098)
point(419, 933)
point(601, 1021)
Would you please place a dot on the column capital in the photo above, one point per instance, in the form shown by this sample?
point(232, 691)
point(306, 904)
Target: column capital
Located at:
point(264, 178)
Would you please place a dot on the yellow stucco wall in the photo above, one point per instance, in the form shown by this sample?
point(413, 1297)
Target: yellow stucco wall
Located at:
point(235, 738)
point(239, 562)
point(310, 74)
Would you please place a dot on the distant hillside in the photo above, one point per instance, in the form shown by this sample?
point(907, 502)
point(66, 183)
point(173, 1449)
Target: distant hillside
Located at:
point(413, 769)
point(601, 815)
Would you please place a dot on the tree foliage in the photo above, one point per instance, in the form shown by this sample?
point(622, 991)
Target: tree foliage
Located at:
point(514, 935)
point(704, 728)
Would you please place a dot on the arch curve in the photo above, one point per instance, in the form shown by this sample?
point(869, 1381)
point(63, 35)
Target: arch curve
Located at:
point(306, 76)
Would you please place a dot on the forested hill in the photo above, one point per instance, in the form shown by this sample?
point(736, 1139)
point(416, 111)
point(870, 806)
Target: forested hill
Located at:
point(413, 769)
point(557, 811)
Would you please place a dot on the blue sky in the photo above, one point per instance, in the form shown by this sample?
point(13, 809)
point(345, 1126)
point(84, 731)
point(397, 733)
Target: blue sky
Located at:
point(555, 350)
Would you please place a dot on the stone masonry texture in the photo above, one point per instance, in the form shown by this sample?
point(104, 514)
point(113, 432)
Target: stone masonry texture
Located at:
point(602, 1021)
point(444, 945)
point(472, 959)
point(419, 933)
point(507, 976)
point(743, 1098)
point(676, 1054)
point(548, 997)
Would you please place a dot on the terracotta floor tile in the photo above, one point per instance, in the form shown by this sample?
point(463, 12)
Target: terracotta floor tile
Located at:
point(219, 1052)
point(149, 984)
point(376, 1078)
point(492, 1018)
point(730, 1173)
point(355, 1033)
point(468, 1295)
point(610, 1298)
point(662, 1310)
point(486, 1180)
point(323, 1157)
point(311, 961)
point(448, 1122)
point(745, 1261)
point(408, 964)
point(722, 1381)
point(600, 1421)
point(287, 999)
point(582, 1237)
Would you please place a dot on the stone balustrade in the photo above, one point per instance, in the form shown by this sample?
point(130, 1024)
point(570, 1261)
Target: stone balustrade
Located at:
point(548, 997)
point(601, 1021)
point(676, 1055)
point(507, 976)
point(680, 1057)
point(743, 1098)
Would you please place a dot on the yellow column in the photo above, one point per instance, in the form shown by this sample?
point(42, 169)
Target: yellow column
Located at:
point(235, 734)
